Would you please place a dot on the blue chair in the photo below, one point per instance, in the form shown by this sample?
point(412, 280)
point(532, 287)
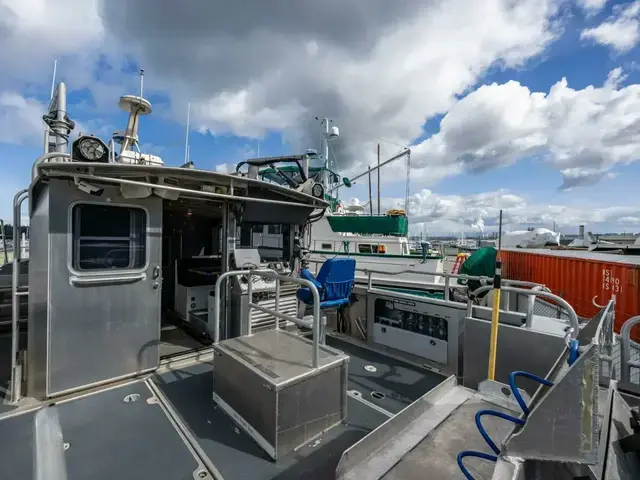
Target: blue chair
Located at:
point(334, 283)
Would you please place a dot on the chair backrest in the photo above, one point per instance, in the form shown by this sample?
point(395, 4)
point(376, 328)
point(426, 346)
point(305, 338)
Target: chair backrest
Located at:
point(336, 277)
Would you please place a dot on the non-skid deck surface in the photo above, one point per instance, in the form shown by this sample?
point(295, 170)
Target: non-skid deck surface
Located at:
point(236, 456)
point(108, 439)
point(401, 383)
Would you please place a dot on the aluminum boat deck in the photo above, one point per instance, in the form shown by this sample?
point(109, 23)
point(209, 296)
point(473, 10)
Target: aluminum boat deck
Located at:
point(167, 426)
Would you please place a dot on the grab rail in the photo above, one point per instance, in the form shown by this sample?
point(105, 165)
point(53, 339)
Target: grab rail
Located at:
point(44, 158)
point(74, 280)
point(625, 350)
point(268, 273)
point(571, 313)
point(16, 370)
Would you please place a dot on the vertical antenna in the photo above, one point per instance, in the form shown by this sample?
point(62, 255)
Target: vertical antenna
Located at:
point(186, 142)
point(141, 82)
point(53, 79)
point(379, 179)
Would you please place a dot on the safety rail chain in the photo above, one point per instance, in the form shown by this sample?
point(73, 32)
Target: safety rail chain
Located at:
point(318, 335)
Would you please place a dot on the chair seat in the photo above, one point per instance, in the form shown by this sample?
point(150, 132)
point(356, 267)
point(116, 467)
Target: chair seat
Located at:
point(305, 296)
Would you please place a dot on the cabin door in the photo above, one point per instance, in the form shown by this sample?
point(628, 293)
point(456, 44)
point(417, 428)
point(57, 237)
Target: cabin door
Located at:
point(108, 325)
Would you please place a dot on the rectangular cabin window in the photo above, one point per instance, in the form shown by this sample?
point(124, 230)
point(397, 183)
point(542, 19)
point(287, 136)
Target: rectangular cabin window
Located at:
point(326, 246)
point(367, 248)
point(108, 237)
point(275, 229)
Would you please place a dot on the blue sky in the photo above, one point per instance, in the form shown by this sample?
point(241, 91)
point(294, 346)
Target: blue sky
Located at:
point(518, 160)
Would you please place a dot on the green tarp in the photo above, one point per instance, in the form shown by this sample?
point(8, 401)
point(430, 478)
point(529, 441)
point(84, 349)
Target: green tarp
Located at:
point(367, 224)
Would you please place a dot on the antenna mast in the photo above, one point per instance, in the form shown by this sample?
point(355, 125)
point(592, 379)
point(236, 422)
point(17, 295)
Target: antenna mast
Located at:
point(53, 79)
point(186, 142)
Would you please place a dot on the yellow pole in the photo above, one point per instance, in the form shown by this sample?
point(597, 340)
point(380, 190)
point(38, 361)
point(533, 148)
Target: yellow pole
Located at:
point(493, 347)
point(495, 314)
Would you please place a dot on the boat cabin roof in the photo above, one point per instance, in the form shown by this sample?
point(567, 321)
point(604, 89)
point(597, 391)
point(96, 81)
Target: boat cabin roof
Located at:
point(192, 182)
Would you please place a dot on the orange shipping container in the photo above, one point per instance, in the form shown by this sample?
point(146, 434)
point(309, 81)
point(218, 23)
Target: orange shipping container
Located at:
point(579, 276)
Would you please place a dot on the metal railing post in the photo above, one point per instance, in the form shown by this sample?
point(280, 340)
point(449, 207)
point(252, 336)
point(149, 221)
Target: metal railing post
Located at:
point(250, 297)
point(625, 350)
point(16, 368)
point(277, 302)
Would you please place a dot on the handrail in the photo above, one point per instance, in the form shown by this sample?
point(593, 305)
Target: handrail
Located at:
point(573, 317)
point(625, 350)
point(16, 371)
point(44, 158)
point(531, 301)
point(268, 273)
point(445, 275)
point(113, 279)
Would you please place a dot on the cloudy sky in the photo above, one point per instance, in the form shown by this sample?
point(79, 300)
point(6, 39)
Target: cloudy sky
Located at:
point(532, 106)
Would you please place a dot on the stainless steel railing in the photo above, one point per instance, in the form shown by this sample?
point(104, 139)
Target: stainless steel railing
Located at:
point(16, 368)
point(272, 274)
point(572, 316)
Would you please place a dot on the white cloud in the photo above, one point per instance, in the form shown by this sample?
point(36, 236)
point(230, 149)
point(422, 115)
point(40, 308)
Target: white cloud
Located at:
point(379, 69)
point(584, 133)
point(33, 32)
point(20, 119)
point(591, 7)
point(452, 213)
point(621, 31)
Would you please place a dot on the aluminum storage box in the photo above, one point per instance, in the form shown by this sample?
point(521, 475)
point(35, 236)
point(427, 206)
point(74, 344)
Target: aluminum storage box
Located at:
point(266, 382)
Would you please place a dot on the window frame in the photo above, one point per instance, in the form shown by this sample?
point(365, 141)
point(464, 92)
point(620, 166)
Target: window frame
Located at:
point(368, 245)
point(104, 271)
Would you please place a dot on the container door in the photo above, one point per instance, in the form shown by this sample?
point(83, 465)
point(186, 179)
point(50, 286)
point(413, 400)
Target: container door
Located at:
point(105, 320)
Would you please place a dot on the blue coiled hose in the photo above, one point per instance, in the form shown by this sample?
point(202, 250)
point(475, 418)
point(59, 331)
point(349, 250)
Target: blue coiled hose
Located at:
point(573, 356)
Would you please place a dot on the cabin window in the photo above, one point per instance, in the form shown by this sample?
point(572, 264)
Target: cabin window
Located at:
point(326, 246)
point(367, 248)
point(275, 229)
point(107, 237)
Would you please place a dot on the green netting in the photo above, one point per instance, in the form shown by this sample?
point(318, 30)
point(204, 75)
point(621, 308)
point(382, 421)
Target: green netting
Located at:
point(372, 225)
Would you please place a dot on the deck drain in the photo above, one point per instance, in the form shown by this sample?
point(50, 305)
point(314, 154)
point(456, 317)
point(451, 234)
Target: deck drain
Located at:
point(66, 446)
point(202, 474)
point(377, 395)
point(134, 397)
point(506, 391)
point(370, 368)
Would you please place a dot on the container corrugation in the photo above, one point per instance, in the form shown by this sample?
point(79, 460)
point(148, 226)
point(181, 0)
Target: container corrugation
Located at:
point(579, 277)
